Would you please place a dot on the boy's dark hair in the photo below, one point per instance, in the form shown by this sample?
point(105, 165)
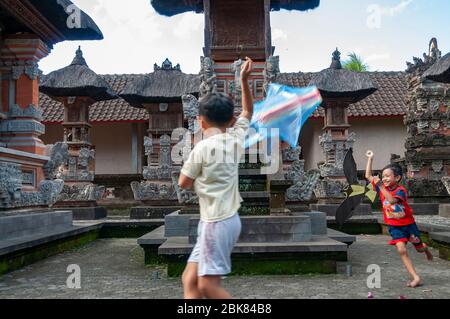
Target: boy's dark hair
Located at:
point(397, 169)
point(217, 108)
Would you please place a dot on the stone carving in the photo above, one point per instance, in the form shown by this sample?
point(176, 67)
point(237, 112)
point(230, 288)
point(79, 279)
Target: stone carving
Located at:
point(12, 196)
point(10, 184)
point(291, 154)
point(329, 189)
point(304, 186)
point(146, 190)
point(421, 65)
point(50, 190)
point(81, 192)
point(22, 126)
point(237, 89)
point(167, 66)
point(208, 77)
point(15, 111)
point(29, 68)
point(190, 110)
point(334, 154)
point(59, 154)
point(148, 145)
point(271, 71)
point(184, 196)
point(164, 169)
point(427, 119)
point(423, 187)
point(446, 182)
point(85, 156)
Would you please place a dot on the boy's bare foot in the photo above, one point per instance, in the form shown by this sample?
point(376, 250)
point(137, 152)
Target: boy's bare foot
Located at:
point(429, 254)
point(416, 282)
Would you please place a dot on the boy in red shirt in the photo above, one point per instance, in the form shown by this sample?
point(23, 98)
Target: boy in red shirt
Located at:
point(398, 214)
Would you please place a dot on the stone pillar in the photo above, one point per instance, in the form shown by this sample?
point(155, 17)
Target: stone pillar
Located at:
point(335, 142)
point(21, 127)
point(427, 157)
point(79, 192)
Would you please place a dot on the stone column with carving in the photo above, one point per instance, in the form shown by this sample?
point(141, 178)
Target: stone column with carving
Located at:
point(427, 119)
point(21, 127)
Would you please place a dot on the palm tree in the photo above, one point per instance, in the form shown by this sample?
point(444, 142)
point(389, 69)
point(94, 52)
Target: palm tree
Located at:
point(355, 63)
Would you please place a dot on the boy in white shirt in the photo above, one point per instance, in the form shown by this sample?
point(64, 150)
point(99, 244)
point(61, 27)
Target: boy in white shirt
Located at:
point(213, 170)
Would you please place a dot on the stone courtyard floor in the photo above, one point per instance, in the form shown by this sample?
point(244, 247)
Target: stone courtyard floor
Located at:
point(114, 268)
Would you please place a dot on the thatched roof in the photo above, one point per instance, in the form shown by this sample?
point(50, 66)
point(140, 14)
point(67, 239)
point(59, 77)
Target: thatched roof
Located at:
point(173, 7)
point(165, 84)
point(77, 80)
point(59, 12)
point(336, 82)
point(388, 101)
point(439, 71)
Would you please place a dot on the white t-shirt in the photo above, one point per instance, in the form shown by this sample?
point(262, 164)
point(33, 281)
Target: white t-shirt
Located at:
point(214, 165)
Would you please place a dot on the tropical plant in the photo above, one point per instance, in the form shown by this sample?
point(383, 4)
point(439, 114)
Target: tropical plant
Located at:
point(355, 63)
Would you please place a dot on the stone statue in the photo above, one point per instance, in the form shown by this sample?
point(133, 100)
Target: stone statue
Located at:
point(208, 77)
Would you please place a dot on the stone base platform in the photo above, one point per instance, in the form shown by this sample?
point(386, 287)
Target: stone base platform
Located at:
point(146, 212)
point(444, 210)
point(319, 255)
point(27, 238)
point(88, 213)
point(330, 209)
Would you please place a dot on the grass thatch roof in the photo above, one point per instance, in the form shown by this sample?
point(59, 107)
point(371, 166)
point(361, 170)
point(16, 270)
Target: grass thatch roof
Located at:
point(58, 12)
point(439, 71)
point(336, 82)
point(160, 86)
point(77, 80)
point(173, 7)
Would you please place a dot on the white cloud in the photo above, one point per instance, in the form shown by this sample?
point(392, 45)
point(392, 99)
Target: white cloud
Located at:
point(377, 57)
point(278, 34)
point(189, 25)
point(393, 11)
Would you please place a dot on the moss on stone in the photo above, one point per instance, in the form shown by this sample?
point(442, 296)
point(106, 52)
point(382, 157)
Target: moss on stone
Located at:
point(129, 231)
point(272, 264)
point(26, 257)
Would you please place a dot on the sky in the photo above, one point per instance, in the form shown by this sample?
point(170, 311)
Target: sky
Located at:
point(385, 33)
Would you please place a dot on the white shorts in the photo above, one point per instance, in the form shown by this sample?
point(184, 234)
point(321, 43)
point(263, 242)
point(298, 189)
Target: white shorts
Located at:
point(214, 245)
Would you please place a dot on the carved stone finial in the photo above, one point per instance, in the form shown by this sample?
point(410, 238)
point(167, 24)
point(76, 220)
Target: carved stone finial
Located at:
point(421, 65)
point(336, 60)
point(167, 66)
point(79, 59)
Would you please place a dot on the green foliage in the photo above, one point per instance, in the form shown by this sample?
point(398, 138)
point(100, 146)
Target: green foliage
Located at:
point(355, 63)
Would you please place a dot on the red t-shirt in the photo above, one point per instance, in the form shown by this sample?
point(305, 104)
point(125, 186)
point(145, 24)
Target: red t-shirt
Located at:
point(399, 214)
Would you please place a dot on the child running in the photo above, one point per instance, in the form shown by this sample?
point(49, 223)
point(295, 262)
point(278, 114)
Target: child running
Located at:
point(216, 183)
point(398, 215)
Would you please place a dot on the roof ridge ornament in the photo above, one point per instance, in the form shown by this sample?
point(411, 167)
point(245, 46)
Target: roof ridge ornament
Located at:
point(336, 60)
point(79, 59)
point(167, 66)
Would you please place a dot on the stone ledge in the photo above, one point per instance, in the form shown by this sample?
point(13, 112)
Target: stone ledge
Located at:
point(14, 245)
point(443, 237)
point(181, 246)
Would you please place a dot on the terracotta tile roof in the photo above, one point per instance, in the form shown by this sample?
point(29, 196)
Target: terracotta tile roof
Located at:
point(389, 100)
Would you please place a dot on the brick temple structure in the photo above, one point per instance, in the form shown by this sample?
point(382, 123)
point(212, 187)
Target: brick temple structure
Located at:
point(29, 29)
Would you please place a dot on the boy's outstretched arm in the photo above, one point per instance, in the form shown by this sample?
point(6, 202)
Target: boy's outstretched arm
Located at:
point(185, 182)
point(369, 155)
point(247, 99)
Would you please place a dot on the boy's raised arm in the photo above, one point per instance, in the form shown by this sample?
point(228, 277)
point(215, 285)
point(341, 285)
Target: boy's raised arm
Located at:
point(247, 99)
point(369, 176)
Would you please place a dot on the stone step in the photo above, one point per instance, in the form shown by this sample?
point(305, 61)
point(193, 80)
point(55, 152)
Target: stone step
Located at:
point(258, 229)
point(317, 244)
point(18, 226)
